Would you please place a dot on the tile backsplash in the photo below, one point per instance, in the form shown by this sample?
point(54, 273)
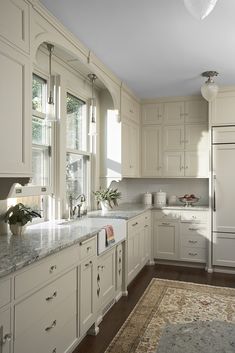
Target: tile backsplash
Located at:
point(133, 189)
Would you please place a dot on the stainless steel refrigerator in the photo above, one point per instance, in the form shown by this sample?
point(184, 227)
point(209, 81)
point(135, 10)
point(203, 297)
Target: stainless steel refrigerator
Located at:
point(223, 193)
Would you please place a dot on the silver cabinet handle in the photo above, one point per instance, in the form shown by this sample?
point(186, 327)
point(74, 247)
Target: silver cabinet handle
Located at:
point(165, 224)
point(52, 268)
point(194, 229)
point(54, 350)
point(193, 241)
point(146, 226)
point(214, 202)
point(51, 296)
point(88, 264)
point(6, 338)
point(192, 253)
point(101, 268)
point(135, 224)
point(48, 328)
point(88, 248)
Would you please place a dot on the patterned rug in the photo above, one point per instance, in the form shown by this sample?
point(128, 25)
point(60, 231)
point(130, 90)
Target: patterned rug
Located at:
point(165, 303)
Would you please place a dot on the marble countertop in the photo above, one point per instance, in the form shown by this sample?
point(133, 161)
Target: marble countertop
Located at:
point(39, 241)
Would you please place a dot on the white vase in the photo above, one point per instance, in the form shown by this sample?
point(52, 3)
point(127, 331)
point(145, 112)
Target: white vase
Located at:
point(105, 207)
point(17, 229)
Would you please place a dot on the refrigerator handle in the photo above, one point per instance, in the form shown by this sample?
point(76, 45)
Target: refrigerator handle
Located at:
point(214, 196)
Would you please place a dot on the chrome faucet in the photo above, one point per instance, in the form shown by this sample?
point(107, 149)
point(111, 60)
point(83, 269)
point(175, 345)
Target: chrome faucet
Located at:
point(82, 199)
point(72, 209)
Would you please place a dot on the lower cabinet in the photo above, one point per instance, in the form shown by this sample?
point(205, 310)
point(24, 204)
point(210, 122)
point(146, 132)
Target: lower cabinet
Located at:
point(119, 268)
point(105, 278)
point(223, 249)
point(87, 297)
point(166, 240)
point(5, 331)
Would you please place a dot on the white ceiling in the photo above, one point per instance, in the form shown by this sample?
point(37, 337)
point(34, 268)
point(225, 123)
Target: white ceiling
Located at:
point(155, 46)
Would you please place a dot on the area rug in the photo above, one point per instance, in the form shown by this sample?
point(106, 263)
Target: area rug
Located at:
point(165, 303)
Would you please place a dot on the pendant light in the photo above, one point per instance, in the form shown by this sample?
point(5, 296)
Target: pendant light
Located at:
point(200, 9)
point(92, 124)
point(209, 89)
point(50, 109)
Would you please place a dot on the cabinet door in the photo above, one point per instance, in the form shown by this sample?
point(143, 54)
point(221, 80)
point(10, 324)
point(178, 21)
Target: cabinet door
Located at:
point(174, 113)
point(87, 294)
point(5, 331)
point(15, 118)
point(223, 249)
point(133, 253)
point(119, 266)
point(125, 149)
point(151, 151)
point(196, 137)
point(166, 240)
point(173, 164)
point(197, 164)
point(152, 114)
point(134, 150)
point(223, 109)
point(173, 138)
point(106, 272)
point(196, 111)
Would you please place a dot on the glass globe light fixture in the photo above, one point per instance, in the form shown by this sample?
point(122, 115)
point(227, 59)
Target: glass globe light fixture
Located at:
point(209, 89)
point(200, 9)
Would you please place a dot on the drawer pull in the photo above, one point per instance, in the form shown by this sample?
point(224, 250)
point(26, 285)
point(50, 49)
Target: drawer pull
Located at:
point(6, 338)
point(192, 253)
point(54, 350)
point(51, 297)
point(146, 226)
point(51, 327)
point(88, 248)
point(194, 229)
point(52, 268)
point(88, 264)
point(119, 260)
point(165, 224)
point(101, 267)
point(135, 224)
point(193, 241)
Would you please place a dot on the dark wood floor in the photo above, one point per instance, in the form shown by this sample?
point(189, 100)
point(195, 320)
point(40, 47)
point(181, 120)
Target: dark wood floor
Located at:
point(120, 311)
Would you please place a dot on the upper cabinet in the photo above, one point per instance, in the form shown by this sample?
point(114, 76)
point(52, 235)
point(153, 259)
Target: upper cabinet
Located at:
point(130, 108)
point(223, 109)
point(14, 23)
point(175, 141)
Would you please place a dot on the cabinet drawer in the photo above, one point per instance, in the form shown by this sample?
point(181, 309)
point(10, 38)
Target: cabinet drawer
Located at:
point(223, 249)
point(194, 229)
point(166, 215)
point(5, 291)
point(88, 248)
point(38, 304)
point(193, 254)
point(5, 330)
point(134, 224)
point(147, 218)
point(45, 271)
point(46, 332)
point(193, 241)
point(195, 216)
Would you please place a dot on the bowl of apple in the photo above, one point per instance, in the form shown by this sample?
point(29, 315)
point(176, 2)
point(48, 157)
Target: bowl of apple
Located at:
point(188, 199)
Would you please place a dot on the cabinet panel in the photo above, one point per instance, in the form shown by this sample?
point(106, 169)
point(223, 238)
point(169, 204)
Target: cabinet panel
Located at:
point(106, 274)
point(151, 151)
point(5, 290)
point(173, 164)
point(196, 111)
point(197, 164)
point(14, 22)
point(173, 138)
point(223, 249)
point(119, 266)
point(166, 239)
point(152, 114)
point(196, 137)
point(223, 109)
point(130, 109)
point(130, 149)
point(193, 254)
point(5, 331)
point(15, 92)
point(174, 113)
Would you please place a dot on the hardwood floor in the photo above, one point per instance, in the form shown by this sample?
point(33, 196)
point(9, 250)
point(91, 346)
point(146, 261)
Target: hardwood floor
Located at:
point(120, 311)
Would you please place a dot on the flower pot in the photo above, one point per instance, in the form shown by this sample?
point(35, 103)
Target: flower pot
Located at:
point(105, 206)
point(17, 229)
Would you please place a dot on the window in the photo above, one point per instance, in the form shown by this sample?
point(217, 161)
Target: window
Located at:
point(77, 157)
point(41, 135)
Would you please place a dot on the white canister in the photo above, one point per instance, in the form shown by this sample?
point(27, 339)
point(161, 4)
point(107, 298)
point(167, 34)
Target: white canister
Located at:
point(160, 199)
point(147, 198)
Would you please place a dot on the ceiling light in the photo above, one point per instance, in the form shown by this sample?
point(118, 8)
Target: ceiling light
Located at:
point(209, 89)
point(199, 9)
point(92, 127)
point(50, 109)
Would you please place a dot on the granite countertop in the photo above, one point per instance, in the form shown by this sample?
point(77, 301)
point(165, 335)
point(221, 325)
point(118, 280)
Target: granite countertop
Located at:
point(39, 241)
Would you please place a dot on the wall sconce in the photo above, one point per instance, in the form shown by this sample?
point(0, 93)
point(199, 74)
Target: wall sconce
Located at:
point(209, 89)
point(50, 108)
point(92, 122)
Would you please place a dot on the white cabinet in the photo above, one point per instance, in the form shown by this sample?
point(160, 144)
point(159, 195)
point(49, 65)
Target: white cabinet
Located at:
point(5, 331)
point(173, 138)
point(130, 109)
point(5, 290)
point(152, 113)
point(223, 109)
point(151, 151)
point(15, 116)
point(173, 164)
point(130, 149)
point(87, 298)
point(166, 240)
point(174, 113)
point(193, 242)
point(196, 111)
point(105, 278)
point(223, 249)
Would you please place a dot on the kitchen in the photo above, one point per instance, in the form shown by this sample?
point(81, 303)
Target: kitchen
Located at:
point(74, 128)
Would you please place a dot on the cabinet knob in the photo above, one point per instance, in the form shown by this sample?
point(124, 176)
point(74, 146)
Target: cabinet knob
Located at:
point(134, 224)
point(53, 268)
point(192, 253)
point(88, 264)
point(48, 328)
point(193, 241)
point(54, 350)
point(88, 248)
point(51, 296)
point(6, 338)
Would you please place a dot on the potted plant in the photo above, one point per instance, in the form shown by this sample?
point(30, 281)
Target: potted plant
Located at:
point(18, 216)
point(107, 198)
